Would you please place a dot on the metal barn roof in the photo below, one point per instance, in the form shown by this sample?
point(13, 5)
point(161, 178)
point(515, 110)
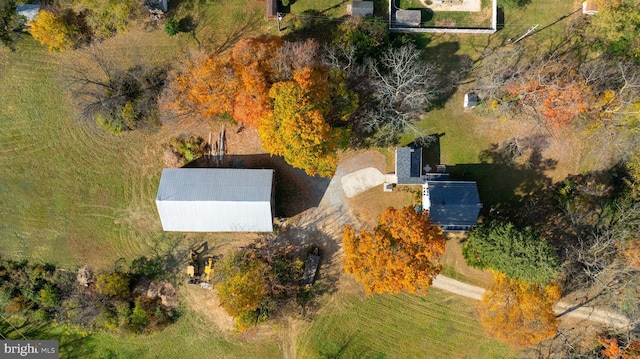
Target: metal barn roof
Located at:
point(215, 200)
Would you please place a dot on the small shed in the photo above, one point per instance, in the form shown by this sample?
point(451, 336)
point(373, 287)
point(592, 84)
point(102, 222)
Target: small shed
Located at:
point(30, 11)
point(470, 100)
point(408, 18)
point(589, 7)
point(360, 8)
point(216, 200)
point(272, 9)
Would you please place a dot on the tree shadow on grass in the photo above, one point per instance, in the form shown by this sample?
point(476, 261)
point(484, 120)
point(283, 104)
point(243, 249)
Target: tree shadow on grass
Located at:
point(216, 33)
point(70, 344)
point(509, 172)
point(452, 69)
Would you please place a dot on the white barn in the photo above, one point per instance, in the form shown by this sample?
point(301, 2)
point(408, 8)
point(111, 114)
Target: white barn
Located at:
point(216, 200)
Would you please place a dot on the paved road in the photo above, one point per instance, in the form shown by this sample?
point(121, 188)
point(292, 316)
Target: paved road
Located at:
point(561, 309)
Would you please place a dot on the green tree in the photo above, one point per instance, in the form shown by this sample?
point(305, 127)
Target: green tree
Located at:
point(106, 17)
point(617, 24)
point(172, 27)
point(9, 21)
point(367, 37)
point(519, 253)
point(139, 317)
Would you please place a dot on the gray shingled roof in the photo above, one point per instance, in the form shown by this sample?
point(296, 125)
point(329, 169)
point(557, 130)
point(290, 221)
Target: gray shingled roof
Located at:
point(409, 165)
point(408, 18)
point(215, 200)
point(453, 205)
point(362, 8)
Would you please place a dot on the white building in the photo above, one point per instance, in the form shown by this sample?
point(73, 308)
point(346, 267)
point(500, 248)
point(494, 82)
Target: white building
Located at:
point(216, 200)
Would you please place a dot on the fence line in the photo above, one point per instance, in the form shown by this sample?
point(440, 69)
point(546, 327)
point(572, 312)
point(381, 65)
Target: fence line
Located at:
point(493, 29)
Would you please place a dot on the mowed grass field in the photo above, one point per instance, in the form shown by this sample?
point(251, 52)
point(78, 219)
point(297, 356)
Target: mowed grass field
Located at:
point(69, 193)
point(72, 194)
point(438, 325)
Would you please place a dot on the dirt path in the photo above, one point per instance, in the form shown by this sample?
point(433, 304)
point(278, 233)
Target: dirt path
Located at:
point(333, 213)
point(561, 309)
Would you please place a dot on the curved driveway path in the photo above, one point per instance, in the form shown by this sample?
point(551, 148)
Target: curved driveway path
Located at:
point(561, 309)
point(333, 213)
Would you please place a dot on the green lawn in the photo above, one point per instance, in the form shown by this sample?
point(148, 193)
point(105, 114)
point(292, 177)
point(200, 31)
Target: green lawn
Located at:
point(73, 194)
point(438, 325)
point(191, 337)
point(70, 193)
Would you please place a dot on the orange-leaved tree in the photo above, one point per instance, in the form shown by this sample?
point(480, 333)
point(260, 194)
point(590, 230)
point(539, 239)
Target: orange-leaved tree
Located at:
point(553, 91)
point(519, 313)
point(253, 60)
point(402, 253)
point(297, 128)
point(202, 88)
point(614, 349)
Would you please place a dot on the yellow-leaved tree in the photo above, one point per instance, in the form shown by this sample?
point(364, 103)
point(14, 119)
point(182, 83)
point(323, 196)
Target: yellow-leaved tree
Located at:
point(241, 281)
point(520, 313)
point(57, 31)
point(402, 253)
point(298, 128)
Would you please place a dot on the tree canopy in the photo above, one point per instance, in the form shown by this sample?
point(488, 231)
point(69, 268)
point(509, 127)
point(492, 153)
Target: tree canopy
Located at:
point(519, 253)
point(241, 282)
point(402, 253)
point(57, 31)
point(298, 128)
point(518, 312)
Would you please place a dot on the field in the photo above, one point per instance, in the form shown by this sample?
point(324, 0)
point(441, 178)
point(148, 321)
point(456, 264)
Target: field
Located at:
point(399, 326)
point(72, 194)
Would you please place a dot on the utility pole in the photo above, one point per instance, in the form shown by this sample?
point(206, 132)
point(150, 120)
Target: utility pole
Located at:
point(529, 32)
point(279, 14)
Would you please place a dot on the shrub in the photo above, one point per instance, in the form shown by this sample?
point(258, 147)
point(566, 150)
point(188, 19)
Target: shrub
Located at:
point(139, 317)
point(172, 27)
point(188, 148)
point(114, 284)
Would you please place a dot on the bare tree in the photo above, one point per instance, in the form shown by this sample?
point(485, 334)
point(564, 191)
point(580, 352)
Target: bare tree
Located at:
point(403, 87)
point(603, 258)
point(122, 97)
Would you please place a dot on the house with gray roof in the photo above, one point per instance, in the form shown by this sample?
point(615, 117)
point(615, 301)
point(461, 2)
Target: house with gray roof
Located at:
point(360, 8)
point(453, 205)
point(216, 200)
